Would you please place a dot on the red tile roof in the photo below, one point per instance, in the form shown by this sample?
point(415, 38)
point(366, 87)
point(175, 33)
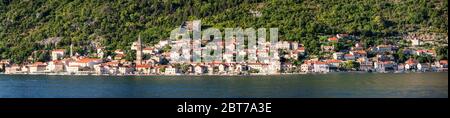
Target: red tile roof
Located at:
point(411, 61)
point(335, 39)
point(443, 62)
point(87, 60)
point(143, 66)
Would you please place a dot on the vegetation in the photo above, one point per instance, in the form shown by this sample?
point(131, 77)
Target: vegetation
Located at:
point(29, 25)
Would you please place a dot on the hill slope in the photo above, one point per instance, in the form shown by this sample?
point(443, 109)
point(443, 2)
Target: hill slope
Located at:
point(29, 25)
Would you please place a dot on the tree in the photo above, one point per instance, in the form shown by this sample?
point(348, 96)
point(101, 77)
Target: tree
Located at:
point(43, 56)
point(350, 65)
point(130, 55)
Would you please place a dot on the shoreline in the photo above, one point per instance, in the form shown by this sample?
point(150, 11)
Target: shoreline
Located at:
point(233, 75)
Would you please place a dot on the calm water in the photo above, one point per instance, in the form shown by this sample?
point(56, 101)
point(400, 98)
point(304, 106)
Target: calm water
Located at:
point(338, 85)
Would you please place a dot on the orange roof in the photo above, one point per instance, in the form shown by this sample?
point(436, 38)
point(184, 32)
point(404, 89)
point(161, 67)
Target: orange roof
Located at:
point(361, 52)
point(333, 61)
point(347, 55)
point(147, 49)
point(411, 61)
point(319, 62)
point(112, 63)
point(35, 64)
point(333, 39)
point(443, 62)
point(57, 62)
point(143, 66)
point(87, 60)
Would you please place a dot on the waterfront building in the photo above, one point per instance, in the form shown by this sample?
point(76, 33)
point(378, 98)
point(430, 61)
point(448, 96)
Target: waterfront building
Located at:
point(199, 69)
point(261, 67)
point(170, 70)
point(38, 67)
point(423, 67)
point(100, 69)
point(73, 69)
point(384, 66)
point(222, 69)
point(13, 69)
point(55, 66)
point(143, 69)
point(320, 67)
point(442, 64)
point(125, 70)
point(401, 67)
point(411, 64)
point(274, 67)
point(306, 67)
point(365, 64)
point(333, 64)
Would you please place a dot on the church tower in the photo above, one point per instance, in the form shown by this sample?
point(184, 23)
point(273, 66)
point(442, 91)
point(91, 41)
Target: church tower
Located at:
point(139, 51)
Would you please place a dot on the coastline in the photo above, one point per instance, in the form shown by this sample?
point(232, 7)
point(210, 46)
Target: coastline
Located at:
point(230, 75)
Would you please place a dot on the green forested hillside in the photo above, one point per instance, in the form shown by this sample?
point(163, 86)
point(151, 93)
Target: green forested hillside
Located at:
point(29, 25)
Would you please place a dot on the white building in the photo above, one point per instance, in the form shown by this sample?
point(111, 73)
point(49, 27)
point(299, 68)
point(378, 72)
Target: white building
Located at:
point(57, 54)
point(423, 67)
point(38, 67)
point(170, 70)
point(306, 67)
point(321, 67)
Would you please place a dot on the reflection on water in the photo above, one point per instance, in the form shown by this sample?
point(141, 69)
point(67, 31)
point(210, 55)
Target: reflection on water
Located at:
point(336, 85)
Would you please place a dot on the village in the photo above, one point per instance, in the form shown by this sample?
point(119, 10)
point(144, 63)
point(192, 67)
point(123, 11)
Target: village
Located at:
point(291, 57)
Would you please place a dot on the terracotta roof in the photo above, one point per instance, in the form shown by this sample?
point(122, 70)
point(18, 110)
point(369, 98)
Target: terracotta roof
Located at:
point(443, 62)
point(35, 64)
point(333, 61)
point(411, 61)
point(333, 39)
point(57, 62)
point(112, 63)
point(87, 60)
point(147, 49)
point(361, 52)
point(319, 62)
point(143, 66)
point(348, 55)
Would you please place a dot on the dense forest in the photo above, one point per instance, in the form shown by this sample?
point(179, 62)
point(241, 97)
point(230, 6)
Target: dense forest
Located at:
point(30, 25)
